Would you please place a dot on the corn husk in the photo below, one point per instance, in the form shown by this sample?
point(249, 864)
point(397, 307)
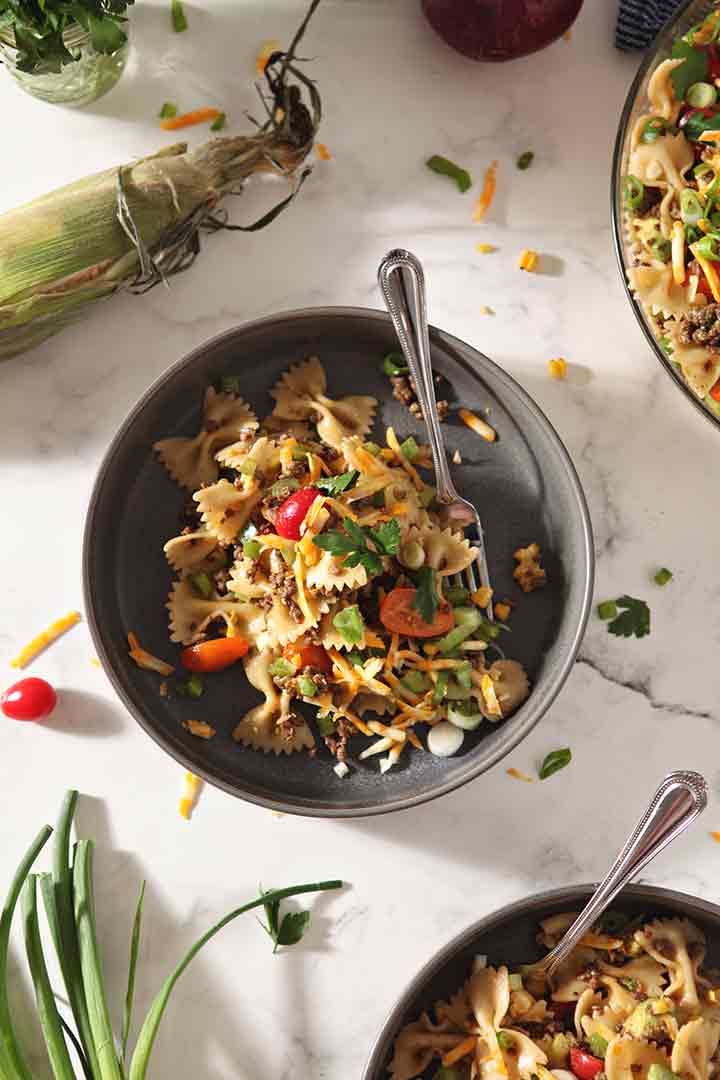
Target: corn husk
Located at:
point(133, 226)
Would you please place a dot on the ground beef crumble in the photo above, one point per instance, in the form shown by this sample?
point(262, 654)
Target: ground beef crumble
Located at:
point(403, 390)
point(701, 326)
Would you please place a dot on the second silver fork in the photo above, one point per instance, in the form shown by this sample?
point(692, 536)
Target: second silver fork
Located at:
point(402, 283)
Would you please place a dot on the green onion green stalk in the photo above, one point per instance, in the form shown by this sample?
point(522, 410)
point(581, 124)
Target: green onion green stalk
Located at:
point(129, 228)
point(68, 899)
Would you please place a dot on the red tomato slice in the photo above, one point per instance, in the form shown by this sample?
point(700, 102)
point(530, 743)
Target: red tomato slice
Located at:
point(399, 616)
point(585, 1066)
point(312, 656)
point(291, 513)
point(213, 655)
point(715, 391)
point(29, 699)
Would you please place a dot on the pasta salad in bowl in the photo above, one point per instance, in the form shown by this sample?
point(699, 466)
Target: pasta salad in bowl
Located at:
point(666, 201)
point(276, 594)
point(638, 998)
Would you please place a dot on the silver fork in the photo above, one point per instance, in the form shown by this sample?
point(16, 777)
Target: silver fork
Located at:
point(679, 799)
point(402, 283)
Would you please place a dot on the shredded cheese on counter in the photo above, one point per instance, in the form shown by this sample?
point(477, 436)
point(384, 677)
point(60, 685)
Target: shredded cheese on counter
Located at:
point(192, 787)
point(487, 194)
point(517, 775)
point(41, 642)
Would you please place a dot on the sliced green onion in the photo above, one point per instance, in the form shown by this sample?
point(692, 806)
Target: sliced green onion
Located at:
point(372, 447)
point(307, 686)
point(701, 95)
point(168, 110)
point(692, 235)
point(412, 555)
point(464, 675)
point(607, 610)
point(177, 15)
point(409, 448)
point(252, 548)
point(633, 192)
point(284, 485)
point(465, 714)
point(416, 682)
point(455, 595)
point(248, 467)
point(505, 1041)
point(440, 687)
point(691, 209)
point(447, 1072)
point(598, 1045)
point(194, 686)
point(427, 496)
point(707, 248)
point(355, 657)
point(467, 622)
point(663, 576)
point(230, 384)
point(393, 364)
point(525, 160)
point(326, 724)
point(653, 129)
point(281, 667)
point(442, 165)
point(661, 248)
point(219, 122)
point(288, 553)
point(202, 583)
point(349, 622)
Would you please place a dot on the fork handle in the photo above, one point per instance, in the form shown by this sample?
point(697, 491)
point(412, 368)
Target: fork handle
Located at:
point(402, 283)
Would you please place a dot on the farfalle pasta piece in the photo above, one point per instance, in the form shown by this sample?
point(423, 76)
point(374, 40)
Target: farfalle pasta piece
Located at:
point(446, 552)
point(489, 997)
point(416, 1046)
point(510, 683)
point(694, 1046)
point(656, 290)
point(630, 1059)
point(263, 453)
point(554, 926)
point(184, 552)
point(270, 726)
point(566, 982)
point(661, 93)
point(663, 161)
point(680, 946)
point(191, 461)
point(300, 394)
point(583, 1009)
point(330, 574)
point(523, 1058)
point(225, 509)
point(191, 614)
point(699, 366)
point(646, 972)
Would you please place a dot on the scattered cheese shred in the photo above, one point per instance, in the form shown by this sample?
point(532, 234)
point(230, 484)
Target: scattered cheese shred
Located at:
point(487, 688)
point(189, 119)
point(476, 424)
point(485, 249)
point(192, 786)
point(41, 642)
point(567, 36)
point(678, 252)
point(557, 368)
point(487, 194)
point(460, 1051)
point(95, 662)
point(528, 260)
point(485, 310)
point(322, 152)
point(482, 596)
point(709, 136)
point(200, 728)
point(272, 45)
point(716, 836)
point(708, 268)
point(146, 660)
point(517, 775)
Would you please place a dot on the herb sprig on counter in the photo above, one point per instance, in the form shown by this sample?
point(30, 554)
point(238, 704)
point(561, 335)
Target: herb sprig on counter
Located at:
point(38, 27)
point(626, 616)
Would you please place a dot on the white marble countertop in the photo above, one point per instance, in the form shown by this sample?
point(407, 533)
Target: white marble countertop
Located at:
point(631, 709)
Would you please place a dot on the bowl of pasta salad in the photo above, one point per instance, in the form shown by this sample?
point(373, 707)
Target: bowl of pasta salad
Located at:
point(666, 201)
point(637, 999)
point(280, 599)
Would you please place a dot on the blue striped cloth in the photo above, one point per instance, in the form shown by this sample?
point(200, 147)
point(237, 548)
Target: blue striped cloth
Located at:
point(639, 21)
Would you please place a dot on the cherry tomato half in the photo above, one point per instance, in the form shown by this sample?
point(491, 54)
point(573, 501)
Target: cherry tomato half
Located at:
point(29, 699)
point(715, 391)
point(399, 616)
point(312, 656)
point(213, 655)
point(585, 1066)
point(291, 513)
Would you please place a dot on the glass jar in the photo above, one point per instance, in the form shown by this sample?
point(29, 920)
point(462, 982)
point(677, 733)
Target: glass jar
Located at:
point(77, 83)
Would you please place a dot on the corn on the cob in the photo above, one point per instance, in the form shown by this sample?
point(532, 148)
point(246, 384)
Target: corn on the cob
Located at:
point(131, 227)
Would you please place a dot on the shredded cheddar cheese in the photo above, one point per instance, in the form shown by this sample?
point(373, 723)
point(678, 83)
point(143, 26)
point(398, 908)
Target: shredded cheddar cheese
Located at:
point(528, 260)
point(322, 152)
point(708, 268)
point(487, 194)
point(199, 728)
point(95, 662)
point(485, 249)
point(476, 424)
point(41, 642)
point(460, 1051)
point(678, 252)
point(517, 775)
point(145, 659)
point(482, 596)
point(557, 368)
point(192, 787)
point(264, 53)
point(716, 836)
point(709, 136)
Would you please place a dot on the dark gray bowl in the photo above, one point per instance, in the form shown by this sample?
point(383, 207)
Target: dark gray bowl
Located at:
point(526, 489)
point(508, 937)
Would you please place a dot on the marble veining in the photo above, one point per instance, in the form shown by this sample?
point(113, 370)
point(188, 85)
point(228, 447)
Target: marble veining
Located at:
point(631, 709)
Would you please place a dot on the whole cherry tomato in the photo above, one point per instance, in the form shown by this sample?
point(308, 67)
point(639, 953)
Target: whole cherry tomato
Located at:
point(312, 656)
point(213, 655)
point(399, 615)
point(291, 513)
point(29, 699)
point(585, 1066)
